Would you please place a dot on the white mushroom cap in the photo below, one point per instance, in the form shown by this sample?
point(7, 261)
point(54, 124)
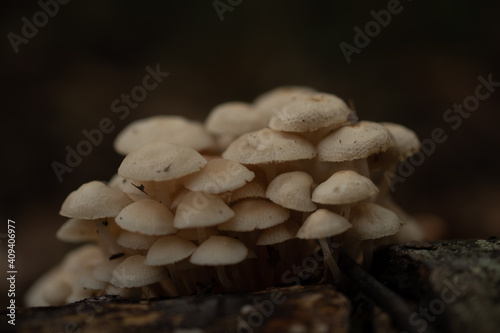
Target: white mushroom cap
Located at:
point(406, 141)
point(104, 270)
point(168, 250)
point(94, 200)
point(218, 251)
point(322, 224)
point(218, 176)
point(88, 281)
point(371, 221)
point(252, 190)
point(307, 113)
point(292, 190)
point(234, 119)
point(254, 214)
point(160, 161)
point(148, 217)
point(173, 129)
point(278, 234)
point(361, 140)
point(76, 231)
point(135, 240)
point(132, 272)
point(197, 210)
point(343, 188)
point(272, 100)
point(268, 146)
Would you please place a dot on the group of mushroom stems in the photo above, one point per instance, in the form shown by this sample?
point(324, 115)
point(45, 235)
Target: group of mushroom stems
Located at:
point(232, 203)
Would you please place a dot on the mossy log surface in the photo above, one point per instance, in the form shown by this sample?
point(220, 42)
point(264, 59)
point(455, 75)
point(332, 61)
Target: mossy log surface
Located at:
point(292, 309)
point(453, 285)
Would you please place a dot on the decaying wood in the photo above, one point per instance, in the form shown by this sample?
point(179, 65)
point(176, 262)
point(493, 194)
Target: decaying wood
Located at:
point(454, 285)
point(292, 309)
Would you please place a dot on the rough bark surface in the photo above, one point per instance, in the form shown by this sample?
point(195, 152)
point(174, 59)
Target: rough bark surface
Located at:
point(293, 309)
point(454, 285)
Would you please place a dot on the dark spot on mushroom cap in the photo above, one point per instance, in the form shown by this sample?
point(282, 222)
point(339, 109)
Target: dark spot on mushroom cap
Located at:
point(166, 168)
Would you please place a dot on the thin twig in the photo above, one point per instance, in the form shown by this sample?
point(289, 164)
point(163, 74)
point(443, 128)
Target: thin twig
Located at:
point(388, 300)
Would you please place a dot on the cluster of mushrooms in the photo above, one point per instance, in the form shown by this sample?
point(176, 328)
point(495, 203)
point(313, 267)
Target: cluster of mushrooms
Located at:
point(232, 203)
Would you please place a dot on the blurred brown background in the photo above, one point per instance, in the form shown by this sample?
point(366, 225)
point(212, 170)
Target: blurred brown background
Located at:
point(65, 78)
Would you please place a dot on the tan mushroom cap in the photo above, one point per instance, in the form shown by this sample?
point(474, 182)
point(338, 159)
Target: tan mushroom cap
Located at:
point(371, 221)
point(132, 272)
point(292, 190)
point(94, 200)
point(268, 146)
point(278, 234)
point(160, 161)
point(354, 142)
point(168, 250)
point(344, 188)
point(306, 113)
point(218, 251)
point(254, 214)
point(251, 190)
point(406, 141)
point(173, 129)
point(88, 281)
point(234, 119)
point(198, 210)
point(269, 101)
point(218, 176)
point(135, 240)
point(76, 231)
point(322, 224)
point(148, 217)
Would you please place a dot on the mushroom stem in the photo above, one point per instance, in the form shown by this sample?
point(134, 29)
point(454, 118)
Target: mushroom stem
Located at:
point(337, 275)
point(202, 235)
point(103, 230)
point(221, 275)
point(178, 277)
point(345, 211)
point(168, 286)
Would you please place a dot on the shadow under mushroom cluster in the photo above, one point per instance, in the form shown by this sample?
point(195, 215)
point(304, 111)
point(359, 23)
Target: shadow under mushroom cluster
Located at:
point(232, 203)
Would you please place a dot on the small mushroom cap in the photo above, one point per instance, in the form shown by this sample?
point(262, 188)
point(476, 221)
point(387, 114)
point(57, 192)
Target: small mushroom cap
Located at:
point(268, 146)
point(292, 190)
point(132, 272)
point(173, 129)
point(76, 231)
point(343, 188)
point(148, 217)
point(94, 200)
point(278, 234)
point(197, 210)
point(57, 289)
point(348, 143)
point(251, 190)
point(135, 240)
point(218, 176)
point(406, 141)
point(104, 270)
point(160, 161)
point(272, 100)
point(88, 281)
point(218, 251)
point(235, 119)
point(307, 113)
point(322, 224)
point(371, 221)
point(168, 250)
point(254, 214)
